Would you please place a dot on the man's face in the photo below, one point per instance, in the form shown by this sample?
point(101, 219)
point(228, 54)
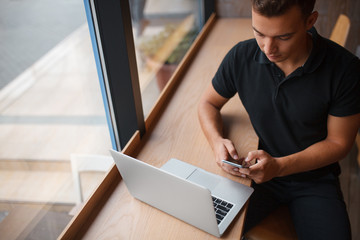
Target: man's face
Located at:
point(281, 38)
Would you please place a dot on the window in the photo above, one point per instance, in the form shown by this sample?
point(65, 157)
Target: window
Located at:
point(54, 135)
point(163, 32)
point(160, 32)
point(55, 130)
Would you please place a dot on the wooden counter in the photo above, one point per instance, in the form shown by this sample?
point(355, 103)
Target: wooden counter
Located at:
point(173, 133)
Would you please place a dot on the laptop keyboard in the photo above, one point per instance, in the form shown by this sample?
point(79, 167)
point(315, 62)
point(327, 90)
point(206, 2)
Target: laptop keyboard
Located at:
point(221, 208)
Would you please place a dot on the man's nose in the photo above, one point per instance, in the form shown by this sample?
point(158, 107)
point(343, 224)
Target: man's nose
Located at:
point(269, 46)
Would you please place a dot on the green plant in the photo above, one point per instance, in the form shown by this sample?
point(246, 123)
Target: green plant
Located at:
point(149, 47)
point(181, 49)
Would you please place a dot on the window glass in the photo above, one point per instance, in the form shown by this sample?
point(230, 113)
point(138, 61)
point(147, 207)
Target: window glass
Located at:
point(53, 131)
point(163, 32)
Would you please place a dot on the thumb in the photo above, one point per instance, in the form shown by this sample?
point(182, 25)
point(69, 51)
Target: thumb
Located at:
point(232, 150)
point(254, 156)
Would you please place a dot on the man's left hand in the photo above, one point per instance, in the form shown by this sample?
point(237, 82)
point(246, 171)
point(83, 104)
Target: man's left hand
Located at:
point(265, 167)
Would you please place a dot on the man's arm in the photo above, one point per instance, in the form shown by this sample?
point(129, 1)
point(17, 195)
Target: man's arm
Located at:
point(341, 136)
point(211, 123)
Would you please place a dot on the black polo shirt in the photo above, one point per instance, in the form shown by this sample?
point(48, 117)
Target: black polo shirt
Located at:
point(290, 113)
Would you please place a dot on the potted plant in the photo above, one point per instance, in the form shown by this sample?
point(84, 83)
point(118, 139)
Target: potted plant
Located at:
point(165, 63)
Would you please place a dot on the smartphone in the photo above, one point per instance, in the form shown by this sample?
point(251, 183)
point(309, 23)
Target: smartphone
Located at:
point(234, 164)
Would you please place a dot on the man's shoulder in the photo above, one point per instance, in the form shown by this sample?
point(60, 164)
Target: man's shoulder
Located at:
point(335, 48)
point(244, 49)
point(337, 53)
point(249, 44)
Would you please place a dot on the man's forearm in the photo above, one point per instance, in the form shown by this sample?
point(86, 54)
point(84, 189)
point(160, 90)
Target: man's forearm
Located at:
point(210, 122)
point(341, 136)
point(212, 126)
point(316, 156)
point(209, 115)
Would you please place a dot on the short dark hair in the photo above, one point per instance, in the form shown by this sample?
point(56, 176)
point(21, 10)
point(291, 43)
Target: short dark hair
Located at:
point(273, 8)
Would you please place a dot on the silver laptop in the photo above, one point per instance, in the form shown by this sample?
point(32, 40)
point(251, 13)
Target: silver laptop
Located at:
point(207, 201)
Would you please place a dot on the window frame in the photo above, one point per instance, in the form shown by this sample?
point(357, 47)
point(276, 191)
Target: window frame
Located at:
point(112, 40)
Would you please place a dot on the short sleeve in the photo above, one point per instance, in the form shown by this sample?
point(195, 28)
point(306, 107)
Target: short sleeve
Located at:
point(346, 101)
point(223, 81)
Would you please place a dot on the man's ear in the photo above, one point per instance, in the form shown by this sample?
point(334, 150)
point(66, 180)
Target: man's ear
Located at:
point(311, 20)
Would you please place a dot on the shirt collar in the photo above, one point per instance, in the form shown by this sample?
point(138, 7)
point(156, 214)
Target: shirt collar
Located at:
point(317, 54)
point(260, 57)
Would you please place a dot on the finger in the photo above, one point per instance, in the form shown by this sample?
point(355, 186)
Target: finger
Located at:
point(254, 156)
point(244, 171)
point(232, 150)
point(251, 155)
point(231, 169)
point(236, 172)
point(223, 155)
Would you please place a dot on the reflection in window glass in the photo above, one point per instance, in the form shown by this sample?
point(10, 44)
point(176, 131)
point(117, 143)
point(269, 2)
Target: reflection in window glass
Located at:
point(163, 32)
point(54, 136)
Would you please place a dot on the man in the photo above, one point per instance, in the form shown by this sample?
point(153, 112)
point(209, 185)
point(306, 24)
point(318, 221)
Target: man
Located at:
point(302, 94)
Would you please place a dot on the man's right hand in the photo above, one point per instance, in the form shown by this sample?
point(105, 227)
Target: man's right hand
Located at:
point(224, 149)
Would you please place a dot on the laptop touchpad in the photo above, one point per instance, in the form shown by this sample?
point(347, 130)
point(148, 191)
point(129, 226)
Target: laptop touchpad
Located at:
point(204, 179)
